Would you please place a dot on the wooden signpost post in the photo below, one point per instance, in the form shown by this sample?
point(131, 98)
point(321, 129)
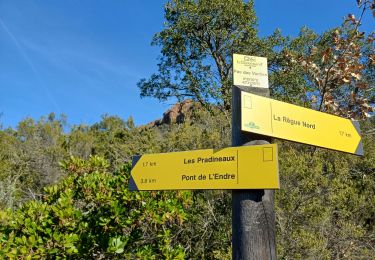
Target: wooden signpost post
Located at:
point(253, 215)
point(250, 167)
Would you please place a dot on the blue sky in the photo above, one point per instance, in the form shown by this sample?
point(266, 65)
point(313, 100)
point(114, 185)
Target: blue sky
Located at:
point(84, 58)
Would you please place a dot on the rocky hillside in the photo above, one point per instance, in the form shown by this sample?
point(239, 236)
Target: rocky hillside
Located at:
point(177, 113)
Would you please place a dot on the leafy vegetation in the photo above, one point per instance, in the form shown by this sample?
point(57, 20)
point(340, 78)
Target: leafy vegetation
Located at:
point(64, 192)
point(325, 207)
point(197, 45)
point(91, 212)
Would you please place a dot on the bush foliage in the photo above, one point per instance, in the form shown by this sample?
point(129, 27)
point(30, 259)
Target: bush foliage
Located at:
point(325, 207)
point(64, 191)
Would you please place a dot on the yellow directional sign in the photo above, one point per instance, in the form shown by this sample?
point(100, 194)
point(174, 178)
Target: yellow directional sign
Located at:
point(250, 71)
point(286, 121)
point(245, 167)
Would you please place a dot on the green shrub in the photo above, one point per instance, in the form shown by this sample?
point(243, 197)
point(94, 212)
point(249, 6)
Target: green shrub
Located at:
point(92, 214)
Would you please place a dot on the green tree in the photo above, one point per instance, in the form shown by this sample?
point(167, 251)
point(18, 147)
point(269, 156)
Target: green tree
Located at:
point(29, 159)
point(41, 148)
point(10, 192)
point(118, 140)
point(196, 49)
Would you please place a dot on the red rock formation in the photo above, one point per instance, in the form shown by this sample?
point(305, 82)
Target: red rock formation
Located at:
point(177, 114)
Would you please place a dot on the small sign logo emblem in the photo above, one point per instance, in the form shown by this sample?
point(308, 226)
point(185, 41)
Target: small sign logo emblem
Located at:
point(252, 125)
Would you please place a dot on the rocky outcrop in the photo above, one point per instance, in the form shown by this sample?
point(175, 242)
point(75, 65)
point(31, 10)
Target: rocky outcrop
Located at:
point(177, 114)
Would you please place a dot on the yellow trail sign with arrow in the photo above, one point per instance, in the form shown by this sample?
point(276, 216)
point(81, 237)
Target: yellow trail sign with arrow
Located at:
point(245, 167)
point(278, 119)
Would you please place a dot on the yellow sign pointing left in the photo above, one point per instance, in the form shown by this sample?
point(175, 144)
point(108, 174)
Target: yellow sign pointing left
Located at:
point(245, 167)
